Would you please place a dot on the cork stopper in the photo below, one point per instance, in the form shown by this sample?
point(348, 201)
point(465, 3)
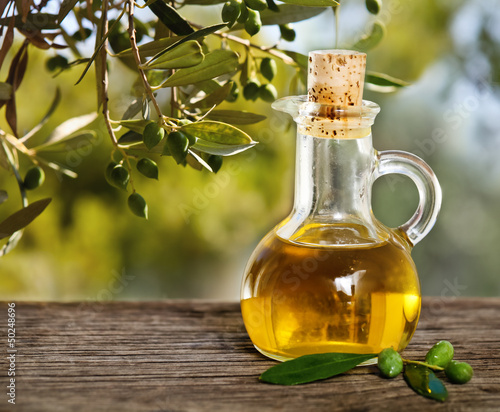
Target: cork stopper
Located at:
point(336, 77)
point(335, 95)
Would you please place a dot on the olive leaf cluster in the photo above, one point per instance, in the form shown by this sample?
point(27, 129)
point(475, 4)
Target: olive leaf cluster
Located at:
point(420, 376)
point(196, 68)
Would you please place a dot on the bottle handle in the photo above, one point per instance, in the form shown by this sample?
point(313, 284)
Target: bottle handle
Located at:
point(429, 190)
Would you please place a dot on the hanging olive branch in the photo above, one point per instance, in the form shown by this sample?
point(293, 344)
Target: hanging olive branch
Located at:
point(169, 54)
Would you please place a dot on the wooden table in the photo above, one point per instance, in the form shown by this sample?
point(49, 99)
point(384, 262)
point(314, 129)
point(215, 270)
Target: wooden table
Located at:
point(196, 356)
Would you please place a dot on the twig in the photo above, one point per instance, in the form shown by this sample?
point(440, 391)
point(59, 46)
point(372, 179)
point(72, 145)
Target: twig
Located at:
point(173, 101)
point(137, 57)
point(276, 53)
point(19, 145)
point(104, 74)
point(104, 92)
point(433, 367)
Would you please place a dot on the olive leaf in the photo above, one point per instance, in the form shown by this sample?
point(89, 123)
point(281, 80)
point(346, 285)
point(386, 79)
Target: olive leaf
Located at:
point(235, 116)
point(11, 243)
point(203, 2)
point(193, 36)
point(310, 368)
point(137, 125)
point(369, 41)
point(221, 149)
point(300, 59)
point(215, 64)
point(4, 196)
point(22, 218)
point(214, 98)
point(289, 13)
point(134, 107)
point(218, 138)
point(187, 54)
point(217, 132)
point(130, 137)
point(98, 47)
point(4, 162)
point(423, 381)
point(271, 4)
point(66, 7)
point(5, 91)
point(17, 70)
point(67, 128)
point(316, 3)
point(34, 22)
point(170, 17)
point(380, 82)
point(196, 161)
point(74, 141)
point(7, 41)
point(153, 47)
point(207, 86)
point(45, 118)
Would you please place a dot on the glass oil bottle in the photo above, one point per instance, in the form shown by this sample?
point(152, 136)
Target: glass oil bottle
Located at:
point(331, 277)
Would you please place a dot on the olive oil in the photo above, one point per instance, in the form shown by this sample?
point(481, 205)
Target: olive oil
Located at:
point(331, 295)
point(331, 277)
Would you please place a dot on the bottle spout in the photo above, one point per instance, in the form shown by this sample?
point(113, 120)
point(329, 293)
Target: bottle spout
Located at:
point(290, 105)
point(320, 120)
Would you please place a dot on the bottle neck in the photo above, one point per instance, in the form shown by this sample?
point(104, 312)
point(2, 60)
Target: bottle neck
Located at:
point(333, 180)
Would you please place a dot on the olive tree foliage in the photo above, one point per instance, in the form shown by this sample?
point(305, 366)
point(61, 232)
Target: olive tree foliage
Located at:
point(169, 54)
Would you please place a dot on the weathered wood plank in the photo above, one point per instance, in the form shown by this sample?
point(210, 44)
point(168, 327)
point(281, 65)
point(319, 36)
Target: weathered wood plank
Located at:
point(196, 356)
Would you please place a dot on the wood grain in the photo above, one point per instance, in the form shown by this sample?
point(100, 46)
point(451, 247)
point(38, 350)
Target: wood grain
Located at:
point(196, 356)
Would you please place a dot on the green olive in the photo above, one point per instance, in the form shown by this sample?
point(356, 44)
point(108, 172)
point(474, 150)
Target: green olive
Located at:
point(390, 363)
point(215, 162)
point(287, 32)
point(440, 354)
point(119, 41)
point(107, 173)
point(459, 372)
point(271, 5)
point(243, 13)
point(268, 68)
point(178, 144)
point(373, 6)
point(231, 11)
point(119, 177)
point(138, 205)
point(191, 139)
point(152, 135)
point(56, 62)
point(253, 23)
point(34, 178)
point(82, 34)
point(268, 93)
point(148, 168)
point(258, 5)
point(251, 90)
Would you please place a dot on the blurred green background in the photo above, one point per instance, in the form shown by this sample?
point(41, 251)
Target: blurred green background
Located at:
point(87, 245)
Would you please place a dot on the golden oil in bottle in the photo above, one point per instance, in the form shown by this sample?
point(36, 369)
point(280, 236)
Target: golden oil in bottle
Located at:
point(303, 296)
